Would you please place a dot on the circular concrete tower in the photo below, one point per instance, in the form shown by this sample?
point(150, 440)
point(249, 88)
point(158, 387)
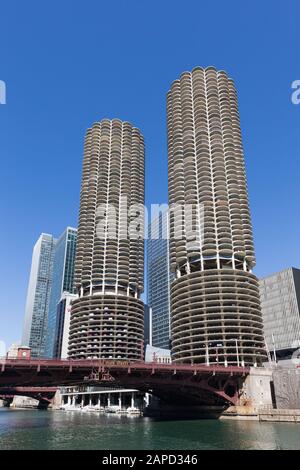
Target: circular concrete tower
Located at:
point(215, 307)
point(107, 318)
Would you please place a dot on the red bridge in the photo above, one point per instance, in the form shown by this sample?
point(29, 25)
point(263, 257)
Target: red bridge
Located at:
point(174, 383)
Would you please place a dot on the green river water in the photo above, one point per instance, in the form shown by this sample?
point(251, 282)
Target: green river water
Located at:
point(33, 429)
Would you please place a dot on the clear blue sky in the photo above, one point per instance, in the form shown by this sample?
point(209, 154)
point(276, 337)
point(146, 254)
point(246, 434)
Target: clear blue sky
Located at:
point(69, 63)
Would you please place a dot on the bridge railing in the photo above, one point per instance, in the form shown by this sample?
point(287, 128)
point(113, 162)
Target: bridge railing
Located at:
point(113, 364)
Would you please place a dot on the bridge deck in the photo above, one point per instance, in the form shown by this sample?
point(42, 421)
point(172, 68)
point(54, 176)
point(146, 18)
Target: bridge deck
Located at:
point(200, 383)
point(93, 363)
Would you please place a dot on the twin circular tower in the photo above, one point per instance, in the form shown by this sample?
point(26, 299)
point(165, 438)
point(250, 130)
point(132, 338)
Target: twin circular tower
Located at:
point(215, 307)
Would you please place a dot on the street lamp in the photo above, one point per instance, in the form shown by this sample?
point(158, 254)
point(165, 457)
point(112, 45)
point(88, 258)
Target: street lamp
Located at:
point(218, 345)
point(237, 350)
point(206, 353)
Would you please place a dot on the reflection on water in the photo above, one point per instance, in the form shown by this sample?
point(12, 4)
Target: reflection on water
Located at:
point(32, 429)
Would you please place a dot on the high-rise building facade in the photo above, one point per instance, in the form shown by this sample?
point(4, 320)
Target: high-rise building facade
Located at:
point(147, 327)
point(63, 281)
point(215, 306)
point(158, 280)
point(38, 295)
point(280, 304)
point(107, 318)
point(62, 326)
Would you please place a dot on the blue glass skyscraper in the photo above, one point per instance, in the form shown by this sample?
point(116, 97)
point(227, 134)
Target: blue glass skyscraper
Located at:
point(38, 295)
point(63, 281)
point(158, 280)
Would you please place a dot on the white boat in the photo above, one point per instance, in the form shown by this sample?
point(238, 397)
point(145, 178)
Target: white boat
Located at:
point(132, 410)
point(99, 408)
point(112, 409)
point(71, 408)
point(87, 408)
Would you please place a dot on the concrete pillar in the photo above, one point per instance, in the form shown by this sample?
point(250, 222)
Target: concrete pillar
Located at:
point(69, 400)
point(108, 400)
point(90, 400)
point(132, 400)
point(120, 400)
point(99, 400)
point(147, 399)
point(73, 400)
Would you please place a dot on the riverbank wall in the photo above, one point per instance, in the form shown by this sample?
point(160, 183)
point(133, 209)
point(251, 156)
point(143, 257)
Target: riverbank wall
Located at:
point(251, 414)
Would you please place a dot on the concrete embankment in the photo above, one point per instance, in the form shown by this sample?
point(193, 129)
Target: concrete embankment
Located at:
point(291, 416)
point(270, 415)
